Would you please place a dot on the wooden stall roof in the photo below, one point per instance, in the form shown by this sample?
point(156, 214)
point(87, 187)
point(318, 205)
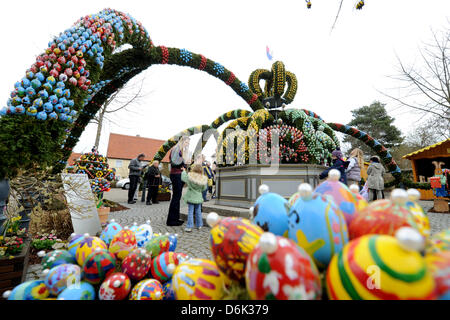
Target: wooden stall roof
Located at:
point(440, 149)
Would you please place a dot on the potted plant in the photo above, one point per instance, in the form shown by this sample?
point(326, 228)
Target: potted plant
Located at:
point(163, 193)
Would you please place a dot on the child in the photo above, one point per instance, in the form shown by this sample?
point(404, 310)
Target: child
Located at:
point(196, 183)
point(338, 164)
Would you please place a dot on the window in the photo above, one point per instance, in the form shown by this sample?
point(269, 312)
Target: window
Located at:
point(119, 163)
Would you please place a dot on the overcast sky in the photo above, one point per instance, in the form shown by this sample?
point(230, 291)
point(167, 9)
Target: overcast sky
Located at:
point(337, 71)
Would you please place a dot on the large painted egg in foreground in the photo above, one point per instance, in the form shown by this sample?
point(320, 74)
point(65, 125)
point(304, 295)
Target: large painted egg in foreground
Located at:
point(149, 289)
point(30, 290)
point(341, 195)
point(81, 291)
point(123, 243)
point(62, 276)
point(99, 265)
point(374, 267)
point(439, 242)
point(57, 257)
point(232, 239)
point(278, 269)
point(270, 213)
point(87, 246)
point(197, 279)
point(160, 269)
point(439, 264)
point(157, 245)
point(137, 264)
point(110, 231)
point(116, 286)
point(318, 226)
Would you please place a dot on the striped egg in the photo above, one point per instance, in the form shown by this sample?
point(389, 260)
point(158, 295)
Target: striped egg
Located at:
point(159, 266)
point(99, 265)
point(74, 241)
point(197, 279)
point(318, 226)
point(232, 239)
point(377, 267)
point(148, 289)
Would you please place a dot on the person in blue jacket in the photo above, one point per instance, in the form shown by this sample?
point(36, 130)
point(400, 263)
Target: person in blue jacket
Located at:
point(338, 164)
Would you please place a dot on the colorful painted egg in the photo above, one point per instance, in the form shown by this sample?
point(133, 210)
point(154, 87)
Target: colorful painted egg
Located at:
point(439, 264)
point(382, 267)
point(419, 215)
point(57, 257)
point(341, 195)
point(197, 279)
point(110, 231)
point(86, 246)
point(30, 290)
point(157, 245)
point(382, 217)
point(293, 199)
point(81, 291)
point(134, 227)
point(99, 265)
point(149, 289)
point(439, 242)
point(232, 239)
point(173, 239)
point(143, 234)
point(61, 277)
point(137, 264)
point(160, 269)
point(168, 292)
point(270, 212)
point(317, 225)
point(116, 286)
point(279, 269)
point(123, 243)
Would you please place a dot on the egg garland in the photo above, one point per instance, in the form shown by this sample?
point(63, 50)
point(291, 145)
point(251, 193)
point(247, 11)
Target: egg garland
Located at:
point(270, 212)
point(55, 258)
point(29, 290)
point(143, 234)
point(383, 216)
point(163, 265)
point(278, 269)
point(61, 277)
point(157, 245)
point(123, 243)
point(232, 240)
point(86, 246)
point(99, 265)
point(384, 267)
point(149, 289)
point(340, 194)
point(81, 291)
point(111, 229)
point(197, 279)
point(317, 225)
point(116, 286)
point(137, 264)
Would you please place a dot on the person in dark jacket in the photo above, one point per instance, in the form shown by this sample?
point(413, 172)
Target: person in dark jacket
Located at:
point(153, 178)
point(134, 175)
point(338, 164)
point(177, 163)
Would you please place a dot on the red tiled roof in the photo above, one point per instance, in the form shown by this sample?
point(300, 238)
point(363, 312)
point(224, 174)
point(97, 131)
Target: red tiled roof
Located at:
point(129, 147)
point(74, 156)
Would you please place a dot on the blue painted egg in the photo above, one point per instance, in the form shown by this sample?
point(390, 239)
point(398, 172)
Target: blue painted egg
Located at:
point(20, 109)
point(30, 290)
point(42, 115)
point(48, 107)
point(173, 239)
point(81, 291)
point(270, 212)
point(110, 231)
point(62, 276)
point(317, 225)
point(35, 83)
point(74, 241)
point(53, 115)
point(143, 234)
point(30, 91)
point(168, 292)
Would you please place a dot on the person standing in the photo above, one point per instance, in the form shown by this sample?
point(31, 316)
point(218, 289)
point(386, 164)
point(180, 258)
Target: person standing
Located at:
point(135, 168)
point(196, 183)
point(356, 163)
point(153, 179)
point(375, 181)
point(177, 165)
point(210, 175)
point(338, 164)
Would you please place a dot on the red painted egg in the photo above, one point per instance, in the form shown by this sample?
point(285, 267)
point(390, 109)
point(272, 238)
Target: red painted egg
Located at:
point(137, 264)
point(115, 287)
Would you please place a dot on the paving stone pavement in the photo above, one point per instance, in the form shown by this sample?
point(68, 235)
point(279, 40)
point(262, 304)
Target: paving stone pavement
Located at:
point(196, 243)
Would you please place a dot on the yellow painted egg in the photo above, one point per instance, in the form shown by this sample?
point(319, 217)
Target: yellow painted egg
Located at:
point(86, 246)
